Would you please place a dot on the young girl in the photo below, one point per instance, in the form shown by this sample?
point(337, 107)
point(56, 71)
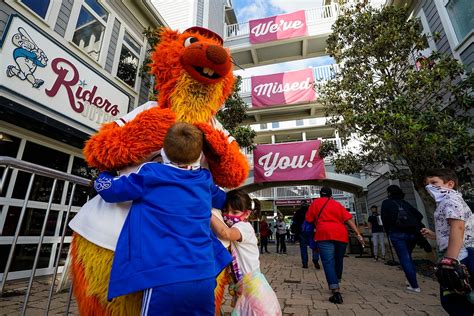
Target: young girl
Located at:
point(255, 296)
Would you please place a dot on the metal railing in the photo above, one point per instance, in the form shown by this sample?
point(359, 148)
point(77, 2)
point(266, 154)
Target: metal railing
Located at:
point(313, 16)
point(12, 164)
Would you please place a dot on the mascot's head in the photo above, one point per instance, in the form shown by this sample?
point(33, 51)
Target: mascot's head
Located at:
point(193, 73)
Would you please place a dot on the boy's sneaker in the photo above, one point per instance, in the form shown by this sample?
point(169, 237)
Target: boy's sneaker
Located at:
point(416, 290)
point(376, 259)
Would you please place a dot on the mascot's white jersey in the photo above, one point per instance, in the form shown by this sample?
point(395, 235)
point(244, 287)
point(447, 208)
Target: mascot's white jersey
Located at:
point(100, 222)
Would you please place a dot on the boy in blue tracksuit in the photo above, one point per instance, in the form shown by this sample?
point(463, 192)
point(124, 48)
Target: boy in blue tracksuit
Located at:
point(166, 246)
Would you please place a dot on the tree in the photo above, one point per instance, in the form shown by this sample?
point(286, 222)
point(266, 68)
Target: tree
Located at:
point(409, 111)
point(234, 110)
point(233, 114)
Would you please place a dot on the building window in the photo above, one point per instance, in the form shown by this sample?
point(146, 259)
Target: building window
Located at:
point(275, 124)
point(90, 28)
point(461, 14)
point(128, 64)
point(40, 7)
point(299, 122)
point(263, 126)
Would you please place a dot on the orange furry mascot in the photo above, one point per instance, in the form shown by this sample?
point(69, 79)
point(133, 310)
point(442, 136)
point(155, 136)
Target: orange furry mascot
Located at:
point(194, 77)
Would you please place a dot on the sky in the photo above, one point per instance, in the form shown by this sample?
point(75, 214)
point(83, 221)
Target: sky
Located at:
point(246, 10)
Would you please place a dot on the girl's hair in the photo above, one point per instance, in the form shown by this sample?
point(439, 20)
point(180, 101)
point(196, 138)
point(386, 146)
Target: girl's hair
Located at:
point(238, 200)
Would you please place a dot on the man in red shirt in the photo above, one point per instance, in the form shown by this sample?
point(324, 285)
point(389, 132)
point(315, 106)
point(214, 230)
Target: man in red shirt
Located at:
point(329, 218)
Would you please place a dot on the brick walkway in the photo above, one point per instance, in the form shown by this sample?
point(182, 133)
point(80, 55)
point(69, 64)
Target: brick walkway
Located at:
point(368, 288)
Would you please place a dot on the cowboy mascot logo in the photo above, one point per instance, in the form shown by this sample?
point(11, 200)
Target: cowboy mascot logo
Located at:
point(28, 56)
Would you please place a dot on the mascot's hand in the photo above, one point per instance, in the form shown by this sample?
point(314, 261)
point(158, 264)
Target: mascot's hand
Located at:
point(228, 165)
point(115, 147)
point(215, 144)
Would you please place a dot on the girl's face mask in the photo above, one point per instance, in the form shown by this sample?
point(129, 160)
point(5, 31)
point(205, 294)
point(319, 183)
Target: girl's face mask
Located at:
point(230, 219)
point(436, 192)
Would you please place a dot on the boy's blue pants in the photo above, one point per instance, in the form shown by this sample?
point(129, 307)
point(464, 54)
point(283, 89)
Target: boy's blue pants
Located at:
point(185, 298)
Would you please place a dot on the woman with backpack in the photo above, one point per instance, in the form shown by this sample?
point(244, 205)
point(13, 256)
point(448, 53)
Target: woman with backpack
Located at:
point(305, 234)
point(402, 222)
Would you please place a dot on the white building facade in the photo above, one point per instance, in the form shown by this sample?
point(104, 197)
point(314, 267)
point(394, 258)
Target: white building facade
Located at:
point(66, 67)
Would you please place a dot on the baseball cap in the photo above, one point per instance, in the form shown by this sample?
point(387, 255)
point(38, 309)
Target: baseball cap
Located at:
point(325, 191)
point(205, 32)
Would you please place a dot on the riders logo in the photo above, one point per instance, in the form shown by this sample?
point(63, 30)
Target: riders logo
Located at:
point(28, 56)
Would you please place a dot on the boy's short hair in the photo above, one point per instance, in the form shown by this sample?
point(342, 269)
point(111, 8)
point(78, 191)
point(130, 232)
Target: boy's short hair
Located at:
point(238, 200)
point(183, 143)
point(444, 174)
point(373, 206)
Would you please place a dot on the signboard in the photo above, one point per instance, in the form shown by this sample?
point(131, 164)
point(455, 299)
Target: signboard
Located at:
point(288, 161)
point(278, 27)
point(38, 68)
point(283, 88)
point(291, 202)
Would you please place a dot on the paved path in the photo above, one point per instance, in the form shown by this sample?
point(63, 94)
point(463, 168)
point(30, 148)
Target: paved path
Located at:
point(368, 288)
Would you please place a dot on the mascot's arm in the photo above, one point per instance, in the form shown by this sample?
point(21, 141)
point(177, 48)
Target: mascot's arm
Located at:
point(115, 147)
point(229, 166)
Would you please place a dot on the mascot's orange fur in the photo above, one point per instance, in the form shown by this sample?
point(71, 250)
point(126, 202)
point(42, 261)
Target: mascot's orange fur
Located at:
point(193, 77)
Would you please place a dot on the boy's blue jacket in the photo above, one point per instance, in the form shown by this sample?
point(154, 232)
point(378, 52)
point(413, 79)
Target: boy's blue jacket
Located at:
point(166, 237)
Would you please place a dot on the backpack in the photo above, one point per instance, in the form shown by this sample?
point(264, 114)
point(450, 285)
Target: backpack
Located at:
point(294, 227)
point(406, 220)
point(307, 227)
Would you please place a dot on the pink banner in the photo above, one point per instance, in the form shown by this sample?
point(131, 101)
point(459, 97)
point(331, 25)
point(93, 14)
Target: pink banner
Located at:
point(289, 161)
point(278, 27)
point(283, 88)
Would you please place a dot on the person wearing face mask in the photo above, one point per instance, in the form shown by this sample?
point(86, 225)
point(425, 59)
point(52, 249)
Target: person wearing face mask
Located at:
point(402, 222)
point(255, 297)
point(454, 225)
point(376, 227)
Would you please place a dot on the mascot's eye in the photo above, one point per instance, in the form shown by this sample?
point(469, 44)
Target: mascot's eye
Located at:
point(189, 41)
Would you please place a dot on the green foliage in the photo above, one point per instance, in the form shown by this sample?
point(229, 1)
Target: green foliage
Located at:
point(233, 114)
point(411, 119)
point(327, 149)
point(153, 37)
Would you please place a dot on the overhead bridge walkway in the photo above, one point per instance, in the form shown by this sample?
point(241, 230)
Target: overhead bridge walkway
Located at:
point(319, 21)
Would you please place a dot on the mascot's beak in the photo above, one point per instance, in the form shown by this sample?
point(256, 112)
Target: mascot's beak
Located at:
point(206, 63)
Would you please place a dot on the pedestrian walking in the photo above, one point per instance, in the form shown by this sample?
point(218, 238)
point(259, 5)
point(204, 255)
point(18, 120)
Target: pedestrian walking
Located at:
point(264, 234)
point(402, 222)
point(305, 232)
point(329, 218)
point(280, 228)
point(376, 227)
